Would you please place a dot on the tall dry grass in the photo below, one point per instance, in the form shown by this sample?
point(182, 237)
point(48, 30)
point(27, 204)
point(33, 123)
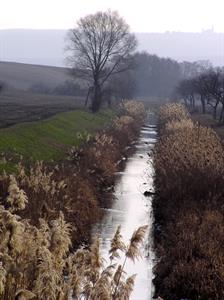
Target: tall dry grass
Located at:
point(189, 176)
point(80, 185)
point(172, 112)
point(188, 160)
point(132, 108)
point(46, 213)
point(36, 262)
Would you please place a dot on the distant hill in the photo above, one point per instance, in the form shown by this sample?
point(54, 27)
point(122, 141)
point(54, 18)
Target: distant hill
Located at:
point(180, 46)
point(25, 96)
point(46, 47)
point(26, 76)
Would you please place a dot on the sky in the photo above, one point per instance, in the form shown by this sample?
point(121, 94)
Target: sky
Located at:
point(141, 15)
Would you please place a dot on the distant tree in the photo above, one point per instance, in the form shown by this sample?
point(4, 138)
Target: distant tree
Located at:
point(208, 87)
point(192, 69)
point(70, 88)
point(100, 46)
point(155, 76)
point(191, 84)
point(199, 88)
point(122, 85)
point(212, 83)
point(186, 89)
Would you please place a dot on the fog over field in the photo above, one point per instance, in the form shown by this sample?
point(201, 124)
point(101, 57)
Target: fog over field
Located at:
point(47, 47)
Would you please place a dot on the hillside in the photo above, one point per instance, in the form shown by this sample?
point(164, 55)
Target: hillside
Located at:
point(25, 76)
point(20, 103)
point(17, 107)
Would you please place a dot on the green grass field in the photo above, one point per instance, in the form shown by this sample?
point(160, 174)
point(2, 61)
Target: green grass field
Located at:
point(50, 139)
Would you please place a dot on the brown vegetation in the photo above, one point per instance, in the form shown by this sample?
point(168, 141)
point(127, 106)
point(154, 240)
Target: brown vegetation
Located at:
point(77, 186)
point(189, 215)
point(47, 212)
point(36, 262)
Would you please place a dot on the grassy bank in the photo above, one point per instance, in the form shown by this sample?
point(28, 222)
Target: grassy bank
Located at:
point(46, 214)
point(49, 139)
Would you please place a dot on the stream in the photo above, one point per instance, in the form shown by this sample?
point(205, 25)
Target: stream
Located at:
point(131, 209)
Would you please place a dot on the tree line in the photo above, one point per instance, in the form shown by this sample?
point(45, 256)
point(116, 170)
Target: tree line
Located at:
point(102, 53)
point(207, 89)
point(105, 67)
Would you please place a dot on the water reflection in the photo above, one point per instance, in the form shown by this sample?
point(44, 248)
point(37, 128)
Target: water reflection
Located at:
point(132, 209)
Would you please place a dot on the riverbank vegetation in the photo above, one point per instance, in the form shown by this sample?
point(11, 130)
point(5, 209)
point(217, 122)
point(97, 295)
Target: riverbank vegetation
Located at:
point(37, 263)
point(49, 140)
point(188, 207)
point(76, 184)
point(47, 211)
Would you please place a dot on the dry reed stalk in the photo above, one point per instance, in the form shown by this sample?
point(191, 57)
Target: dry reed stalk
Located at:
point(189, 174)
point(131, 252)
point(41, 208)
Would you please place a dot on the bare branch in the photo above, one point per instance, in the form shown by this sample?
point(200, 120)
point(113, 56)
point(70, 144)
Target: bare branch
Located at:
point(100, 46)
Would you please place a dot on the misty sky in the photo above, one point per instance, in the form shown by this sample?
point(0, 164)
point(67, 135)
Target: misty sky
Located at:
point(142, 15)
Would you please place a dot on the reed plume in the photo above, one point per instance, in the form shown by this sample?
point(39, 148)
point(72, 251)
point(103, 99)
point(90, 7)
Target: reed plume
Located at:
point(2, 278)
point(136, 240)
point(116, 244)
point(188, 208)
point(17, 198)
point(46, 212)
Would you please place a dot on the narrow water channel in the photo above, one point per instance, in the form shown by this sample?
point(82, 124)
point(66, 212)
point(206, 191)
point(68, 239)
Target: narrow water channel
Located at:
point(132, 209)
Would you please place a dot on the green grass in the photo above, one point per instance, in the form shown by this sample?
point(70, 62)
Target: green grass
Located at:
point(49, 140)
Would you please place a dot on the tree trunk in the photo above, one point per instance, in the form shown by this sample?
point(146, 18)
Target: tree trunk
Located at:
point(87, 97)
point(221, 114)
point(203, 104)
point(96, 100)
point(214, 112)
point(193, 102)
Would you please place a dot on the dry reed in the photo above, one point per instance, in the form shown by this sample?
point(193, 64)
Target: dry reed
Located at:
point(47, 212)
point(188, 208)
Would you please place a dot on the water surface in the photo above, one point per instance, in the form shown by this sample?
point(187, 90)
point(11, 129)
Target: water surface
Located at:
point(132, 209)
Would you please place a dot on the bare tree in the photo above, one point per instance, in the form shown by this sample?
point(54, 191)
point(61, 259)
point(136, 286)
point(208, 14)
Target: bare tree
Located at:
point(211, 83)
point(210, 87)
point(200, 89)
point(100, 46)
point(186, 89)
